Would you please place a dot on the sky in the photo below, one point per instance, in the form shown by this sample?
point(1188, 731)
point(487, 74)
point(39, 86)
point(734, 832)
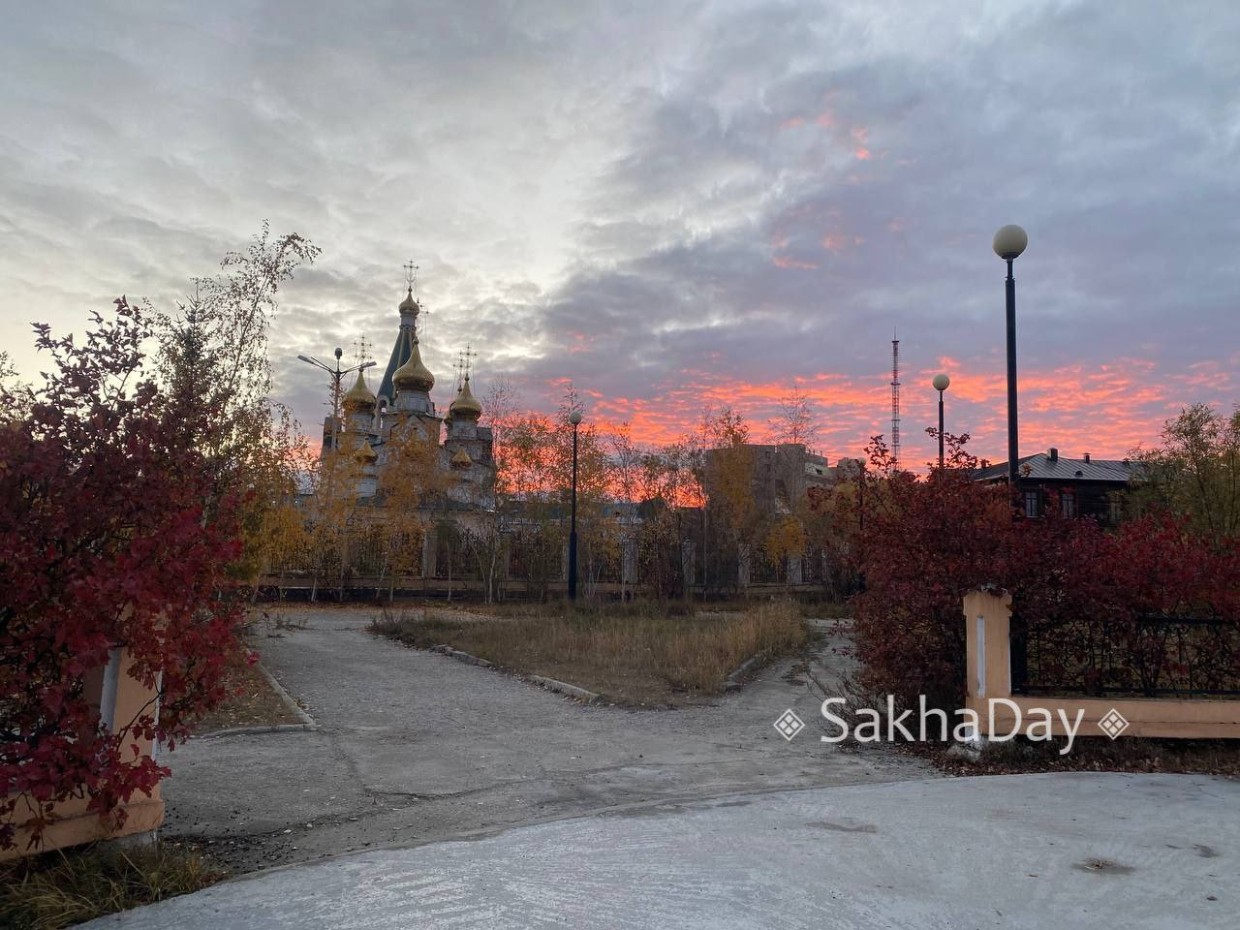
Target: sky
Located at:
point(668, 205)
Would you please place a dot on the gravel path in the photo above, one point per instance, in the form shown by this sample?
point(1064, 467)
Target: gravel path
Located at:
point(413, 747)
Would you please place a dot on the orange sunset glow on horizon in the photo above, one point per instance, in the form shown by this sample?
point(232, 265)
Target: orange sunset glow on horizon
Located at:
point(673, 208)
point(1107, 410)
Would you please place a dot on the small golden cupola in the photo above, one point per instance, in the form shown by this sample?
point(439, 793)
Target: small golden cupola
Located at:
point(465, 406)
point(365, 453)
point(408, 305)
point(359, 398)
point(413, 375)
point(461, 459)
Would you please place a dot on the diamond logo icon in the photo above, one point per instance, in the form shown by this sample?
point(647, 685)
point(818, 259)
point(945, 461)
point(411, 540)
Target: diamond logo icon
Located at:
point(1113, 723)
point(789, 724)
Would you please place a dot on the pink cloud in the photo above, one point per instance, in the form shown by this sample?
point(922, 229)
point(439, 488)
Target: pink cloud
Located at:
point(837, 242)
point(782, 261)
point(1106, 410)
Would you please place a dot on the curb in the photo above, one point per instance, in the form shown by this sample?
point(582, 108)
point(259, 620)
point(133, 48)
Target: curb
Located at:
point(246, 731)
point(734, 682)
point(307, 722)
point(561, 687)
point(551, 684)
point(461, 656)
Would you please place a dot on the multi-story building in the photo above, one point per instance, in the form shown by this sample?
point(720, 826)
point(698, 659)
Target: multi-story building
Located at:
point(779, 480)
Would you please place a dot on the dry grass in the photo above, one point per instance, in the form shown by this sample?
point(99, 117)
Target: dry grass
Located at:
point(631, 653)
point(58, 889)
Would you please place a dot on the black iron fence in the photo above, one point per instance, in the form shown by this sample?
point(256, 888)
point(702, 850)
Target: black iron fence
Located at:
point(1147, 656)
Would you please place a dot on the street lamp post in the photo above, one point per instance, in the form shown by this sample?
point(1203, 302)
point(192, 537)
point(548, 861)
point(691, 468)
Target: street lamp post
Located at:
point(940, 383)
point(336, 374)
point(1009, 243)
point(575, 419)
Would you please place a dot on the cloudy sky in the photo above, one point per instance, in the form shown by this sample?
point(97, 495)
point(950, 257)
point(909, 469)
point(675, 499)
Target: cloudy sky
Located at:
point(668, 204)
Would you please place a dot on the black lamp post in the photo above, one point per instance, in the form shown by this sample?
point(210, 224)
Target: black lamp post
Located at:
point(575, 419)
point(940, 383)
point(1009, 242)
point(335, 374)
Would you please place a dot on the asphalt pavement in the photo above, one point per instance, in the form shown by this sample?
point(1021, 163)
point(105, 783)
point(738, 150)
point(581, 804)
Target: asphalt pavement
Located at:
point(414, 747)
point(439, 794)
point(1036, 852)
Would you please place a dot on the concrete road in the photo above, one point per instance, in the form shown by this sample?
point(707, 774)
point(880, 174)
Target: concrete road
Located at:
point(413, 747)
point(1037, 852)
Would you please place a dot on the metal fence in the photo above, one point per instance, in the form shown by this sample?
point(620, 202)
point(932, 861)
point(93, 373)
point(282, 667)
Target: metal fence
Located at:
point(1147, 656)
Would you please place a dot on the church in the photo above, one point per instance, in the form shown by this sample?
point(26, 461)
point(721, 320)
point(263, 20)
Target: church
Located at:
point(372, 426)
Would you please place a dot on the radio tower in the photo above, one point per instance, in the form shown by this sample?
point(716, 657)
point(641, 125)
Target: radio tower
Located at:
point(895, 399)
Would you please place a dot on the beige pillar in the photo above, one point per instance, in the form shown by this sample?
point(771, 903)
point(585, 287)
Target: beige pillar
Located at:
point(987, 618)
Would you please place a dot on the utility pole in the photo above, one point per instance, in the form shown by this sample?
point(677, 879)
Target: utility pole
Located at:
point(895, 400)
point(336, 374)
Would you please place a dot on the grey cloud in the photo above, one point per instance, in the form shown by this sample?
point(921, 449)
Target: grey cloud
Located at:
point(619, 194)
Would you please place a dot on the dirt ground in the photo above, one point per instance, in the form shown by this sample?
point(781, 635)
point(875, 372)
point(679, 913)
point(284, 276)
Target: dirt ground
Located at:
point(253, 703)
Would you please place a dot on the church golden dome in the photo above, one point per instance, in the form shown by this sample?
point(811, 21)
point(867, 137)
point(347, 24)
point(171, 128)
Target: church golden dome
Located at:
point(461, 459)
point(359, 397)
point(465, 405)
point(408, 305)
point(366, 453)
point(413, 375)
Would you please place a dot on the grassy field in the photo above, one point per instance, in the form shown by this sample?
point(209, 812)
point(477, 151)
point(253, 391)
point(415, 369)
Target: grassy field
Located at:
point(636, 653)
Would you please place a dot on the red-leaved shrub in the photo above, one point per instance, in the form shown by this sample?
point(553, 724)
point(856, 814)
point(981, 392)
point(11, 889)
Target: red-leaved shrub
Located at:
point(111, 534)
point(928, 541)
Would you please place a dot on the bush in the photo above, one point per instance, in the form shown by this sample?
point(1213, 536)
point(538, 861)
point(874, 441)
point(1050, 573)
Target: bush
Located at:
point(111, 534)
point(925, 544)
point(928, 542)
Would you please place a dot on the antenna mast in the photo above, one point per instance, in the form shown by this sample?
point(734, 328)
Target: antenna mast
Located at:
point(895, 399)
